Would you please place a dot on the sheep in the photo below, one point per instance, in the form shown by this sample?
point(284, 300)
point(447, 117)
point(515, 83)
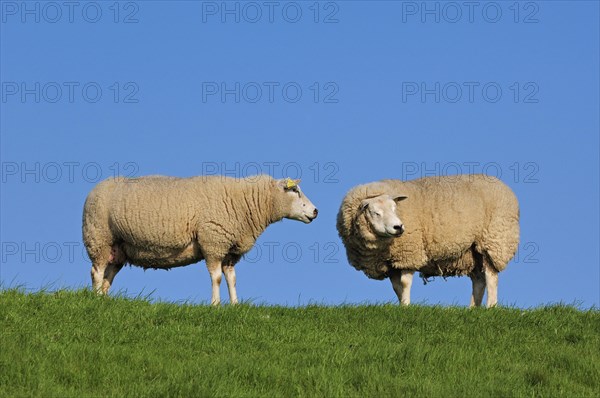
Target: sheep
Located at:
point(439, 226)
point(163, 222)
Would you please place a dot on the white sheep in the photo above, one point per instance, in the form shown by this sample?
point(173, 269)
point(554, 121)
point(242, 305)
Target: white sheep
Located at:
point(165, 222)
point(439, 226)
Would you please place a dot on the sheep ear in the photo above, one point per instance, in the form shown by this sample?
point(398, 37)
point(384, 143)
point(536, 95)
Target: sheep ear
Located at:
point(400, 198)
point(288, 183)
point(282, 183)
point(363, 205)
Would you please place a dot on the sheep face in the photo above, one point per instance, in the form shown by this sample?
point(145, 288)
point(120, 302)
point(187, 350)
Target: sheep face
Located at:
point(293, 203)
point(381, 216)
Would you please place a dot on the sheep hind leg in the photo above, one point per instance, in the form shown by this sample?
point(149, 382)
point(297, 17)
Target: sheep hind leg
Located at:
point(402, 282)
point(491, 284)
point(100, 260)
point(116, 261)
point(229, 271)
point(109, 275)
point(105, 266)
point(478, 281)
point(98, 268)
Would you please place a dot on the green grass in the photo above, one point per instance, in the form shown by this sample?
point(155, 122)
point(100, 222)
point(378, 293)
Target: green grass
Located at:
point(75, 344)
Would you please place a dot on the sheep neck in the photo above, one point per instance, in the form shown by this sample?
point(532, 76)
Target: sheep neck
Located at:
point(259, 205)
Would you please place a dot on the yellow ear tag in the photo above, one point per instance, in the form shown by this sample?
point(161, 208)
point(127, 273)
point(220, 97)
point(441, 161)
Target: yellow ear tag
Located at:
point(290, 183)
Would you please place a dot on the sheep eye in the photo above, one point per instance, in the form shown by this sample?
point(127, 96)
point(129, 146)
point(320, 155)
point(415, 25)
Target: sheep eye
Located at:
point(378, 214)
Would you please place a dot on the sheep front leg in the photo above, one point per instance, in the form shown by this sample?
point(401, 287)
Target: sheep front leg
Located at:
point(402, 282)
point(214, 268)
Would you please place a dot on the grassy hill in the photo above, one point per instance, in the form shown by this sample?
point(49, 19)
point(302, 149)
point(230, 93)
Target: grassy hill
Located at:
point(75, 344)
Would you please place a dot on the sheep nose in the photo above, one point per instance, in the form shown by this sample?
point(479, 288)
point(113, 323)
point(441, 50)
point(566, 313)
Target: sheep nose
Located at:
point(316, 212)
point(399, 228)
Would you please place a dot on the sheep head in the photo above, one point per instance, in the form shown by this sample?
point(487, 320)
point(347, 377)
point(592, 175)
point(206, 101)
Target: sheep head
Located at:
point(291, 203)
point(380, 215)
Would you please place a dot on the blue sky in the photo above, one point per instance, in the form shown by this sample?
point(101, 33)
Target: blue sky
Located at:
point(337, 93)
